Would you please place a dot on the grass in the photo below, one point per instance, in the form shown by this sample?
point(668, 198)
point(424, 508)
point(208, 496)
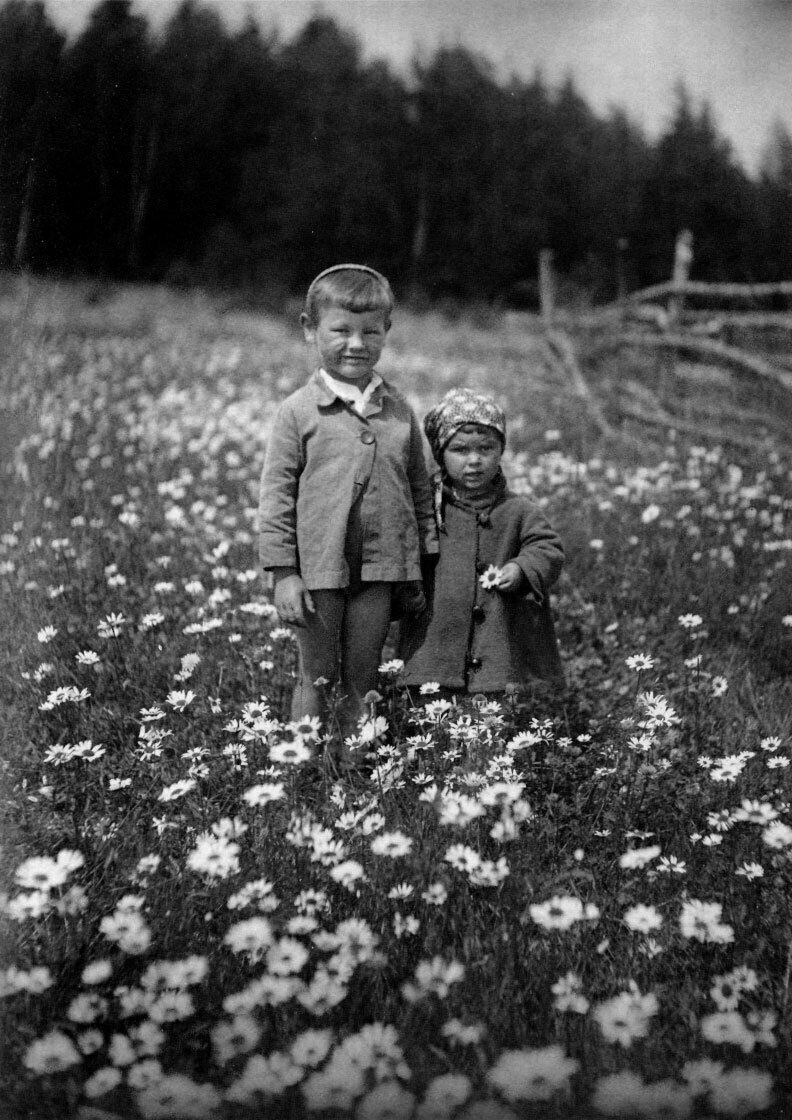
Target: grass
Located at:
point(561, 904)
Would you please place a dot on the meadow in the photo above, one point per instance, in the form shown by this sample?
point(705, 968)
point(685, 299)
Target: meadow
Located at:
point(555, 905)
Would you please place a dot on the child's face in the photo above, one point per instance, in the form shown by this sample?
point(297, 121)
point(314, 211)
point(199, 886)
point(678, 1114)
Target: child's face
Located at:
point(472, 457)
point(349, 343)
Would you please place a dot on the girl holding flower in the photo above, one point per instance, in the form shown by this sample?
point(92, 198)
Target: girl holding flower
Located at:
point(488, 624)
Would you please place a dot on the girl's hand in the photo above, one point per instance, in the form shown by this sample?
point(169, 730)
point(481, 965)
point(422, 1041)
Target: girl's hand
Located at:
point(293, 600)
point(511, 577)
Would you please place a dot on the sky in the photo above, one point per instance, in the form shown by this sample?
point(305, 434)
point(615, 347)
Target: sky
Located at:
point(629, 53)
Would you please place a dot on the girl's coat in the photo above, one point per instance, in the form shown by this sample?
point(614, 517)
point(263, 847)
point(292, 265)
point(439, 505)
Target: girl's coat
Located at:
point(475, 640)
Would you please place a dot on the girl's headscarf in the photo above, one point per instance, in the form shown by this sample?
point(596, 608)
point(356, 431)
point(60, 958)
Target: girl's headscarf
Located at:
point(458, 408)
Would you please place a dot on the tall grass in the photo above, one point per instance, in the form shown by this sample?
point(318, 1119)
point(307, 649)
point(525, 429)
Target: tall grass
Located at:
point(563, 903)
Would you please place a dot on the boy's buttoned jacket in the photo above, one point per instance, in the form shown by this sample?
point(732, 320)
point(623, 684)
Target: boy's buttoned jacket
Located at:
point(321, 458)
point(481, 641)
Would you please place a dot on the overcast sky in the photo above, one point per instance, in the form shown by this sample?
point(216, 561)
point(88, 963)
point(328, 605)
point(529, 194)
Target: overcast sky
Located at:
point(736, 53)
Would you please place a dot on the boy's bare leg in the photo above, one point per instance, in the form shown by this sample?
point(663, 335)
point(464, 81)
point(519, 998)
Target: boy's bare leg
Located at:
point(365, 627)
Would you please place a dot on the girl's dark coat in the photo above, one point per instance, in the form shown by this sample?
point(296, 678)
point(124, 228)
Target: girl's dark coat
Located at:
point(481, 641)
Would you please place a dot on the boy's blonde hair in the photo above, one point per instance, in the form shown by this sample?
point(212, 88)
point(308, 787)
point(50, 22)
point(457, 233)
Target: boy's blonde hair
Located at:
point(355, 287)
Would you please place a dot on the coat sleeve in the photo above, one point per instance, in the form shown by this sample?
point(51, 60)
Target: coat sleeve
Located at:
point(278, 493)
point(541, 555)
point(422, 492)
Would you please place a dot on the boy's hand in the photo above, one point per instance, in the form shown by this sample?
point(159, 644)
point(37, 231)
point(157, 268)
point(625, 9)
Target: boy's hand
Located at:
point(293, 600)
point(511, 577)
point(412, 599)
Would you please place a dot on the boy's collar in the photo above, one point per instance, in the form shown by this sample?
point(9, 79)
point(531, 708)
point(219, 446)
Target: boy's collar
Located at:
point(326, 395)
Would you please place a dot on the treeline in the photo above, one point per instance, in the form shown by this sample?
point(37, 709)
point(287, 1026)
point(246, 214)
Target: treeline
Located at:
point(200, 154)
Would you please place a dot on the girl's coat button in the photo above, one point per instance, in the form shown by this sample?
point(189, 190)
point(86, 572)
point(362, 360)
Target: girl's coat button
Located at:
point(367, 436)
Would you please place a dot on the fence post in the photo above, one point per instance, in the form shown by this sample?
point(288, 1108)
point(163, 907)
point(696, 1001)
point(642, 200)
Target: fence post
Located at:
point(546, 286)
point(683, 258)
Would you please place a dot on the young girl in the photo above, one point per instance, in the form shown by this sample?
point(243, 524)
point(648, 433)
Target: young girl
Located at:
point(488, 624)
point(346, 504)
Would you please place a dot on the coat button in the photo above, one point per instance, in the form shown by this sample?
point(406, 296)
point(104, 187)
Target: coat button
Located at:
point(475, 663)
point(483, 519)
point(367, 436)
point(481, 566)
point(479, 614)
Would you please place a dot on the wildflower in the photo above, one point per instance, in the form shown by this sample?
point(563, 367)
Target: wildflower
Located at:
point(626, 1016)
point(52, 1053)
point(741, 1092)
point(291, 752)
point(251, 936)
point(690, 621)
point(490, 578)
point(642, 918)
point(86, 1008)
point(142, 1075)
point(44, 874)
point(568, 992)
point(438, 709)
point(727, 769)
point(149, 621)
point(670, 865)
point(702, 921)
point(391, 844)
point(433, 976)
point(726, 993)
point(429, 688)
point(388, 1101)
point(464, 1034)
point(234, 1037)
point(637, 858)
point(46, 634)
point(750, 870)
point(619, 1094)
point(701, 1075)
point(64, 695)
point(727, 1026)
point(102, 1082)
point(333, 1088)
point(559, 912)
point(178, 1095)
point(391, 668)
point(177, 790)
point(462, 858)
point(435, 894)
point(402, 926)
point(214, 856)
point(90, 1041)
point(127, 929)
point(443, 1095)
point(639, 662)
point(180, 700)
point(532, 1075)
point(286, 956)
point(87, 658)
point(14, 980)
point(111, 626)
point(401, 891)
point(310, 1048)
point(347, 873)
point(258, 893)
point(777, 835)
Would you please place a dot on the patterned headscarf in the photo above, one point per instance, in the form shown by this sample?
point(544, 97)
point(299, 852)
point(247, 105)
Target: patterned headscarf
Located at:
point(457, 408)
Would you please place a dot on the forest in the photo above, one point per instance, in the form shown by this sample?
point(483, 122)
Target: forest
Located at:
point(197, 154)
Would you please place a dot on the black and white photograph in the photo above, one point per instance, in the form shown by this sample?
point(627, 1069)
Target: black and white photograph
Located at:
point(396, 559)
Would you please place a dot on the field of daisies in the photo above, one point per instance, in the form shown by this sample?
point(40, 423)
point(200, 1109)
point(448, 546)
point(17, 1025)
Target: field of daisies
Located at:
point(549, 905)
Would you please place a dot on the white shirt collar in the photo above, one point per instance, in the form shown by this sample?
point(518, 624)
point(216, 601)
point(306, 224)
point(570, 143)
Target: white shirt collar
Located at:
point(350, 392)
